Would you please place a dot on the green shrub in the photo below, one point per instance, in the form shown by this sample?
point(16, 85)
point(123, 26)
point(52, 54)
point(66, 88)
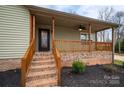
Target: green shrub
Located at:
point(78, 67)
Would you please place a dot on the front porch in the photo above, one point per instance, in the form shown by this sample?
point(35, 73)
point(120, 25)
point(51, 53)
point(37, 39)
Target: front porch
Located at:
point(58, 32)
point(70, 46)
point(67, 39)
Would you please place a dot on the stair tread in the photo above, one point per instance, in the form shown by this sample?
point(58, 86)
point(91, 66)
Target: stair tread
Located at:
point(42, 82)
point(37, 77)
point(31, 74)
point(43, 60)
point(47, 63)
point(43, 56)
point(42, 66)
point(43, 53)
point(42, 69)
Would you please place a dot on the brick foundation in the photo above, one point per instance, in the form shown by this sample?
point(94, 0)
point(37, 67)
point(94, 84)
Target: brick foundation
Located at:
point(93, 58)
point(8, 64)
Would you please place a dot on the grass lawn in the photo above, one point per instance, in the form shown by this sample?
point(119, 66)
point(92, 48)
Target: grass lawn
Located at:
point(118, 62)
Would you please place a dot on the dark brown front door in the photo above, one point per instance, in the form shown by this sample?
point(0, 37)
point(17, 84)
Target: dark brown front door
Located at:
point(44, 40)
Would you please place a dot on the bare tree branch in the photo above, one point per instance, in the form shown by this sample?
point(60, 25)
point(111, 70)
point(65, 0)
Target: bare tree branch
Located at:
point(105, 14)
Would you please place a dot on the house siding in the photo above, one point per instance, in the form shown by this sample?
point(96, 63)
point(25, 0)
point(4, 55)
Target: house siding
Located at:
point(14, 31)
point(61, 33)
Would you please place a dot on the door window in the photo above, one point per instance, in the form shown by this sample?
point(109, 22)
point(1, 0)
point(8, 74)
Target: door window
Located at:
point(44, 39)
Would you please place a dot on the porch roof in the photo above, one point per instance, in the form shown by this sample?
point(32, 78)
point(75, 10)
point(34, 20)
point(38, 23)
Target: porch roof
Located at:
point(44, 16)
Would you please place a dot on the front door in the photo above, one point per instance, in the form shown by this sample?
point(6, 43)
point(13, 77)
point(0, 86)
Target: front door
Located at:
point(44, 39)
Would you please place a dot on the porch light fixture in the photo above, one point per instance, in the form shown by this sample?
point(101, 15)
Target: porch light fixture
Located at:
point(81, 27)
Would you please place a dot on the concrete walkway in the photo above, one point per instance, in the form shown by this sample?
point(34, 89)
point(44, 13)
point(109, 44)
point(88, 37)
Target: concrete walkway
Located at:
point(119, 57)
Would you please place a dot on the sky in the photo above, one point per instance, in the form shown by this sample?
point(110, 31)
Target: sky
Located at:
point(84, 10)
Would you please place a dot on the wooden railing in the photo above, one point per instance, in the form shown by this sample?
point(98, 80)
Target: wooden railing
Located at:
point(73, 45)
point(103, 46)
point(26, 61)
point(77, 46)
point(58, 61)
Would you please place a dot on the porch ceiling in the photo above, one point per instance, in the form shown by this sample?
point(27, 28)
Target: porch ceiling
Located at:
point(44, 16)
point(69, 23)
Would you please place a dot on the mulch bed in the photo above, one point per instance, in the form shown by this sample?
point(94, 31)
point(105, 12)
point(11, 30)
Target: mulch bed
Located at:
point(94, 76)
point(10, 78)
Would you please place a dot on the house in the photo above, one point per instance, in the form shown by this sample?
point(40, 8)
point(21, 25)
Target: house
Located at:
point(45, 40)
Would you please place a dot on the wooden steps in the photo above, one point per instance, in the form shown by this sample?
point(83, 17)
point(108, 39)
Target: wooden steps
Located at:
point(42, 71)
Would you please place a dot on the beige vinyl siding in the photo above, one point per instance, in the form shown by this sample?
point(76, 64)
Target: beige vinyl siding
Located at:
point(64, 33)
point(14, 31)
point(61, 33)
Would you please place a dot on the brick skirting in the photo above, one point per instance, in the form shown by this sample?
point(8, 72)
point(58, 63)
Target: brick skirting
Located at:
point(92, 58)
point(11, 63)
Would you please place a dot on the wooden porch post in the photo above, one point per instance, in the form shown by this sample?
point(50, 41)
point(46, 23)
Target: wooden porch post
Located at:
point(34, 31)
point(89, 37)
point(95, 40)
point(31, 28)
point(53, 29)
point(113, 43)
point(96, 36)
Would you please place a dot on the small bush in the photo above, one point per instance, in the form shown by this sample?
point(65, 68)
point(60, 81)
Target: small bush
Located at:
point(78, 67)
point(110, 68)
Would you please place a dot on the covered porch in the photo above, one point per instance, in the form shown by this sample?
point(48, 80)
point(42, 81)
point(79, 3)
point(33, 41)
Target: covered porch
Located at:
point(65, 36)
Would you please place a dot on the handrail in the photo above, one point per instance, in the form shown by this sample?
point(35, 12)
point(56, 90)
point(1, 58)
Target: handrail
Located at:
point(58, 61)
point(26, 61)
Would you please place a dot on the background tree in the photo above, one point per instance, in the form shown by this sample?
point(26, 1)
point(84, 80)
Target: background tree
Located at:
point(105, 14)
point(109, 14)
point(119, 19)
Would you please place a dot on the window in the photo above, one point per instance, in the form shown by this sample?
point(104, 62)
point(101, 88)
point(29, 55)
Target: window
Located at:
point(83, 37)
